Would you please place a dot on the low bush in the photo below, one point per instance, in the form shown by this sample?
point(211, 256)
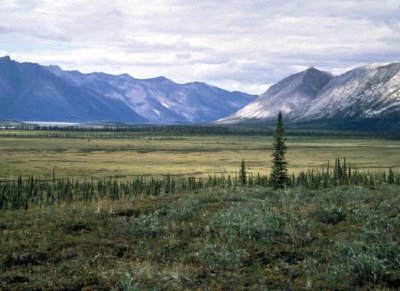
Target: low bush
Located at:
point(330, 215)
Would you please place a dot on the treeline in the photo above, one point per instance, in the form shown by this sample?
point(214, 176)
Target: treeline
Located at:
point(342, 173)
point(171, 131)
point(26, 192)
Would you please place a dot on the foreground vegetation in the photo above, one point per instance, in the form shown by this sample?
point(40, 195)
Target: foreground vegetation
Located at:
point(343, 238)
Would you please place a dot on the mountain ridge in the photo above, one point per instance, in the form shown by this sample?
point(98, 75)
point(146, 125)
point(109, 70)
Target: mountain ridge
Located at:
point(98, 96)
point(30, 92)
point(368, 95)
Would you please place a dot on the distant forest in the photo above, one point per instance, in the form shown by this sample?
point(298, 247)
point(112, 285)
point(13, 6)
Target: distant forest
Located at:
point(127, 131)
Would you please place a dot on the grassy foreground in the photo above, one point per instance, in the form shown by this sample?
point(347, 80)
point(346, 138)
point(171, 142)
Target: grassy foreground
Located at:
point(345, 238)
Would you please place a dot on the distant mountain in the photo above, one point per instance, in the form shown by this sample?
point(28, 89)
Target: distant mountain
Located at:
point(160, 100)
point(363, 93)
point(365, 97)
point(292, 95)
point(31, 92)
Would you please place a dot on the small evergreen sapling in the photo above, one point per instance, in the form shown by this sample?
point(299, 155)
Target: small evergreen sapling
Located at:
point(242, 174)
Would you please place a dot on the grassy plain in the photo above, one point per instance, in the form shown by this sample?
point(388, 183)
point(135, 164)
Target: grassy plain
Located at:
point(195, 155)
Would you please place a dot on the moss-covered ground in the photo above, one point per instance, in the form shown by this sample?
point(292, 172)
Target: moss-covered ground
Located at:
point(345, 238)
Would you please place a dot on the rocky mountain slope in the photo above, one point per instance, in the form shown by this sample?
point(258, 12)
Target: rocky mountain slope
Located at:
point(30, 92)
point(365, 92)
point(292, 95)
point(365, 96)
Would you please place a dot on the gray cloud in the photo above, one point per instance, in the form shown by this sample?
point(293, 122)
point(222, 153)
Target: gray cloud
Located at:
point(239, 45)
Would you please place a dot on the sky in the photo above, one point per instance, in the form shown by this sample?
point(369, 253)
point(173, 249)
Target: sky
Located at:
point(244, 45)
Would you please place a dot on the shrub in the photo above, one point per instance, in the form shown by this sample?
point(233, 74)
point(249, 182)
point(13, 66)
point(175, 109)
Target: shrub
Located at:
point(330, 215)
point(127, 283)
point(249, 222)
point(76, 226)
point(358, 264)
point(221, 255)
point(149, 225)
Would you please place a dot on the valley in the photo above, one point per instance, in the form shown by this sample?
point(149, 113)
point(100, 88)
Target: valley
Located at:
point(105, 154)
point(199, 145)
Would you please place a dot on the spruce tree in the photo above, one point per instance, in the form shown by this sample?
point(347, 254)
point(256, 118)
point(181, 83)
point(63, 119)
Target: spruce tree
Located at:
point(391, 176)
point(243, 174)
point(279, 175)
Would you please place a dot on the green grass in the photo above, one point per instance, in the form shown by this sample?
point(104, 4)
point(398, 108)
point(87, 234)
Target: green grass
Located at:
point(158, 155)
point(240, 238)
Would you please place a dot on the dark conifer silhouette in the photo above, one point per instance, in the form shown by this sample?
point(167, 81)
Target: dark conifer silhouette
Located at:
point(242, 174)
point(279, 175)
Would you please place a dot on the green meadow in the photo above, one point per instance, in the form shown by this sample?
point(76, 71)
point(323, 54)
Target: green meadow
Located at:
point(195, 155)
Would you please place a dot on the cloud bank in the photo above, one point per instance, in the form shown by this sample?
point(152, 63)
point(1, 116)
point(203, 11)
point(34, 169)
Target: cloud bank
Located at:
point(237, 45)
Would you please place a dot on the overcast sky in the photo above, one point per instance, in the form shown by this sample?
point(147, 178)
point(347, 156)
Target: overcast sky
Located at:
point(235, 44)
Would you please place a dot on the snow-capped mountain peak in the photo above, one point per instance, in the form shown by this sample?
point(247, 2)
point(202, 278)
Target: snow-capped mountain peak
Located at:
point(291, 95)
point(365, 95)
point(360, 93)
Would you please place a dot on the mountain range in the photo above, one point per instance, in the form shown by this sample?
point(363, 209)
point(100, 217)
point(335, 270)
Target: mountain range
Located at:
point(31, 92)
point(365, 97)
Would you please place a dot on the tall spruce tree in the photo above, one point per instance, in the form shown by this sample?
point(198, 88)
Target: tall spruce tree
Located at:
point(279, 175)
